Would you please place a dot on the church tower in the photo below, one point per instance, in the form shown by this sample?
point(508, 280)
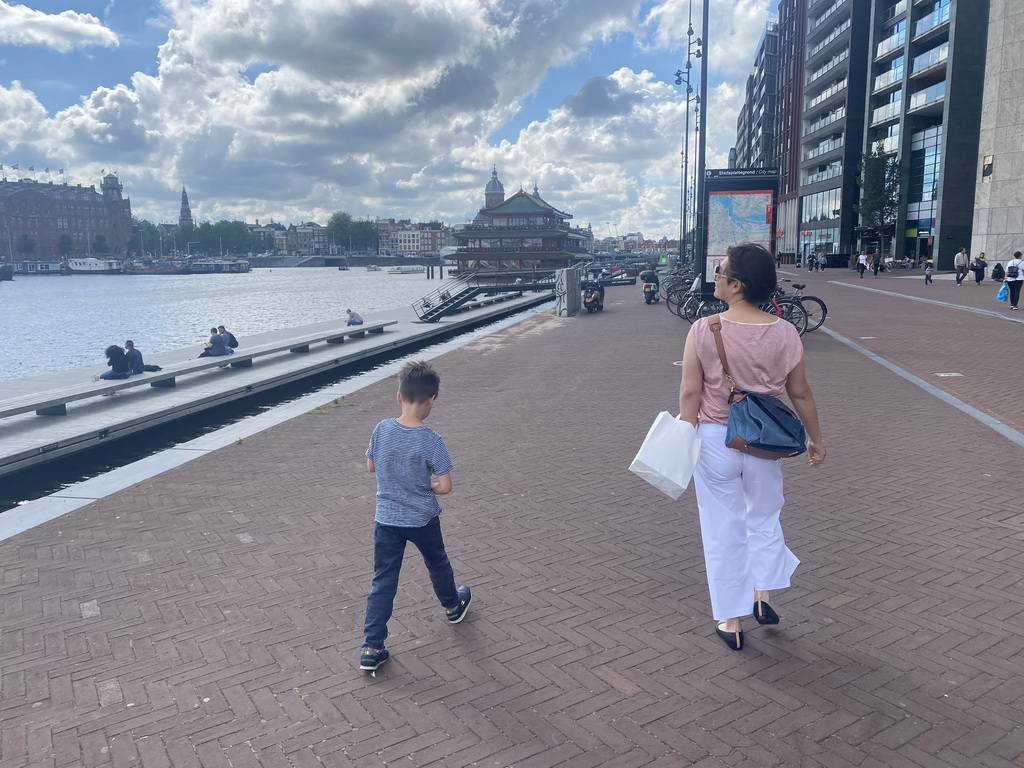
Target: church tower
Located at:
point(185, 217)
point(494, 192)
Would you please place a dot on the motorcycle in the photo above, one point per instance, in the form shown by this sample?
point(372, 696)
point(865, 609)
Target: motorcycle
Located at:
point(593, 296)
point(650, 278)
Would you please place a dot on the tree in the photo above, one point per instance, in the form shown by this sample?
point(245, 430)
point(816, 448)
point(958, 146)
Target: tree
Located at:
point(100, 245)
point(145, 237)
point(65, 245)
point(26, 246)
point(352, 235)
point(879, 183)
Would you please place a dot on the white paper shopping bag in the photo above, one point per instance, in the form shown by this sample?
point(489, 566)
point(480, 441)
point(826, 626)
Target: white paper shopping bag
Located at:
point(668, 455)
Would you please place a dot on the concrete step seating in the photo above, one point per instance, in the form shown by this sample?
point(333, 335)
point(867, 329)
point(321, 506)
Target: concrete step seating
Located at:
point(54, 402)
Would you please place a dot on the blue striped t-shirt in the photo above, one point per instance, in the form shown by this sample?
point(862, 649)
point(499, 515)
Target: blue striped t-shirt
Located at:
point(404, 458)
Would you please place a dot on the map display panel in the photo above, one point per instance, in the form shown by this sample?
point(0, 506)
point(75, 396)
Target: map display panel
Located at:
point(739, 217)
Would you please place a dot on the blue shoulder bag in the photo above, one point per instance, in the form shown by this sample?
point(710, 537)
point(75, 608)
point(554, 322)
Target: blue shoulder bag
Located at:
point(759, 424)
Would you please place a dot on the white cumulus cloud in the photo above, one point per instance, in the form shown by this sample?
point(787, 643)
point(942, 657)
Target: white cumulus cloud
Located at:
point(65, 31)
point(293, 109)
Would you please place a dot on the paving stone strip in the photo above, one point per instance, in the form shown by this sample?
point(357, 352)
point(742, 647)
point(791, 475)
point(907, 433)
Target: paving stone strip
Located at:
point(211, 616)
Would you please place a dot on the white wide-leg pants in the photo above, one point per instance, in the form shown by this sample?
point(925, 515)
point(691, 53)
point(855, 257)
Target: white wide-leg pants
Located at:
point(739, 498)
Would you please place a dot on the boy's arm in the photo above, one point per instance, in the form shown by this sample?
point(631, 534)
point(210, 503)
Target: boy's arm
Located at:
point(442, 485)
point(369, 465)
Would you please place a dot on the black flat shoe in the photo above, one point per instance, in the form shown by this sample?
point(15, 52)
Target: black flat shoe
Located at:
point(764, 613)
point(733, 639)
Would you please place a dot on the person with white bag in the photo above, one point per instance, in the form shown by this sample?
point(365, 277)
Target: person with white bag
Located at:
point(739, 496)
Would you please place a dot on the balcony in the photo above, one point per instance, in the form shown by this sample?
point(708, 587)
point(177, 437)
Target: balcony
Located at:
point(832, 117)
point(890, 44)
point(931, 96)
point(886, 112)
point(835, 34)
point(839, 58)
point(824, 148)
point(829, 173)
point(896, 10)
point(932, 58)
point(823, 17)
point(932, 21)
point(827, 94)
point(887, 79)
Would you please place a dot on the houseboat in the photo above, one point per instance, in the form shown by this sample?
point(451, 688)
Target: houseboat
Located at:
point(215, 265)
point(37, 268)
point(91, 266)
point(407, 269)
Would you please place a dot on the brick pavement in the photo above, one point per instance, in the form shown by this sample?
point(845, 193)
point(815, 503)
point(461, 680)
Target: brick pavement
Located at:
point(210, 616)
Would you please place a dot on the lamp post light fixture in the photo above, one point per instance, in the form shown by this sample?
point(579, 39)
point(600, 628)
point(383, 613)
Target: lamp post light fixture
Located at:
point(694, 50)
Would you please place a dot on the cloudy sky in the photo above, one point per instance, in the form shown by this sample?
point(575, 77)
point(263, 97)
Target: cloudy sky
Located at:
point(293, 109)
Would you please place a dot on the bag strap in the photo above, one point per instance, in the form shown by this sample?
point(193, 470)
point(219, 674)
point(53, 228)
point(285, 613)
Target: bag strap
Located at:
point(715, 324)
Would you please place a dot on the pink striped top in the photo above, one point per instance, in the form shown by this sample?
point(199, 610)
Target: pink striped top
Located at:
point(761, 357)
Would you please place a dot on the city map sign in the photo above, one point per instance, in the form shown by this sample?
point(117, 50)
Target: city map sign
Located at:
point(739, 207)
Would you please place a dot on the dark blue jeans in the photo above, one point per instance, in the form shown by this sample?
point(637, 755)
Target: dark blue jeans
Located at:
point(388, 551)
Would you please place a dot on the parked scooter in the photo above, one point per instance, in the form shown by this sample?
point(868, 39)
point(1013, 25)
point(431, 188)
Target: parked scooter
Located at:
point(593, 296)
point(651, 286)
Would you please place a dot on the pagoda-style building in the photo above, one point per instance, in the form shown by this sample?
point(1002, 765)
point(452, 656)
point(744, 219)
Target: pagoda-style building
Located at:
point(522, 233)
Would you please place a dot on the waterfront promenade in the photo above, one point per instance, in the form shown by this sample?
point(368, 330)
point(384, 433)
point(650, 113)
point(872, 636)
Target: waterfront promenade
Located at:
point(211, 615)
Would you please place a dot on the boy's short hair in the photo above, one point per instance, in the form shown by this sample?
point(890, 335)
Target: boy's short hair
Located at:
point(418, 382)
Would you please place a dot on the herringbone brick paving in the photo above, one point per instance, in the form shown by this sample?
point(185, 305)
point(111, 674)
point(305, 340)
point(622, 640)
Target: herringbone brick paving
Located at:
point(211, 616)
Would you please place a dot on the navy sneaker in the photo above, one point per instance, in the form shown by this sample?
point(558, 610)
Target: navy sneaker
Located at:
point(458, 613)
point(370, 659)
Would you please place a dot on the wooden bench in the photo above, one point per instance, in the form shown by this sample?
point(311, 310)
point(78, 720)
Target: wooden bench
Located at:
point(54, 402)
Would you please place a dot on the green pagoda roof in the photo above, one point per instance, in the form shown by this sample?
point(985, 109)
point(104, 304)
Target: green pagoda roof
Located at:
point(523, 202)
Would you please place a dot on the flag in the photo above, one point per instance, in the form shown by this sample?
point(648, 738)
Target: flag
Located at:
point(61, 171)
point(32, 168)
point(14, 167)
point(46, 170)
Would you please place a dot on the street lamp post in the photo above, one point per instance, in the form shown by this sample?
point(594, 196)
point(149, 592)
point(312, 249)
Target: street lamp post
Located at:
point(700, 246)
point(693, 50)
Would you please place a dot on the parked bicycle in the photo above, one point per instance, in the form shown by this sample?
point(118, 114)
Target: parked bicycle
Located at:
point(812, 305)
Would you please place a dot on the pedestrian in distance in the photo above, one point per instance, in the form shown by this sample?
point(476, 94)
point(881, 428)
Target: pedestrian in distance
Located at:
point(217, 345)
point(998, 273)
point(413, 468)
point(960, 261)
point(134, 358)
point(823, 262)
point(354, 318)
point(876, 264)
point(928, 272)
point(1015, 278)
point(862, 264)
point(119, 365)
point(229, 338)
point(980, 266)
point(739, 496)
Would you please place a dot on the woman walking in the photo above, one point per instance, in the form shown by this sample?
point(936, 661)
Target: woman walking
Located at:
point(1015, 278)
point(979, 267)
point(739, 496)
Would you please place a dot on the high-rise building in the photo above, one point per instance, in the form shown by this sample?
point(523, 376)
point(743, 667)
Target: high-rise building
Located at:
point(999, 174)
point(835, 73)
point(755, 125)
point(789, 121)
point(927, 75)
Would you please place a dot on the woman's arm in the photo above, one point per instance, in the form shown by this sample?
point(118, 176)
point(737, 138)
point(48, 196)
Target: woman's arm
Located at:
point(692, 382)
point(799, 392)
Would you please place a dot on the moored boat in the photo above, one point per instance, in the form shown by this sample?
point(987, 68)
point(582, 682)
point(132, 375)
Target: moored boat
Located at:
point(215, 265)
point(407, 269)
point(372, 268)
point(37, 268)
point(156, 267)
point(91, 266)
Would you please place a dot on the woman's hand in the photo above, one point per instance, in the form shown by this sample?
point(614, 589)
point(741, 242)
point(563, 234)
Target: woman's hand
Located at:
point(815, 453)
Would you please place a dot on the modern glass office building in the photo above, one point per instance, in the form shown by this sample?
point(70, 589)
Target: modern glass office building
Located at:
point(924, 106)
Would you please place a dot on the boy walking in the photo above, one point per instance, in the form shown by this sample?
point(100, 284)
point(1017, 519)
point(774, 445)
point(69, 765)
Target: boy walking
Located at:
point(405, 454)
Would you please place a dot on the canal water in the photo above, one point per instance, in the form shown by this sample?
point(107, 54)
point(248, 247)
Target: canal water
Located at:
point(53, 323)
